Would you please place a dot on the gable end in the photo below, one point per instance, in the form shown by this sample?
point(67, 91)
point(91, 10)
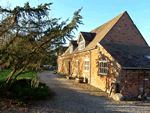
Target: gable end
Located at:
point(125, 32)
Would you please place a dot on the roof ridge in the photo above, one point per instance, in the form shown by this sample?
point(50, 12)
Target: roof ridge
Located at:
point(102, 30)
point(111, 20)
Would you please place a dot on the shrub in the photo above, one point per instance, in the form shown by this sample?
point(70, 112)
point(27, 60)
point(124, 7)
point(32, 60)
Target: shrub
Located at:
point(55, 71)
point(22, 90)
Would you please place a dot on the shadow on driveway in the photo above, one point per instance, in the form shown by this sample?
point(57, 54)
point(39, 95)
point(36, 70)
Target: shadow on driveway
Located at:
point(71, 98)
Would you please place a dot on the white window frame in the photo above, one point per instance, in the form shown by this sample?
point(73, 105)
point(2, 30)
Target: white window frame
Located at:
point(77, 64)
point(81, 45)
point(102, 68)
point(85, 65)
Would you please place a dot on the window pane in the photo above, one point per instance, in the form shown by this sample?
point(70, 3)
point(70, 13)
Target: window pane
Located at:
point(101, 64)
point(87, 62)
point(87, 67)
point(100, 70)
point(105, 70)
point(105, 64)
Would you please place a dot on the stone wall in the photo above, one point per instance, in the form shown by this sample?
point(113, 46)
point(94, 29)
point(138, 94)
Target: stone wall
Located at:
point(63, 64)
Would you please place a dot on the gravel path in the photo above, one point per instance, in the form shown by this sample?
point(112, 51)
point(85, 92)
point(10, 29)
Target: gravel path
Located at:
point(72, 97)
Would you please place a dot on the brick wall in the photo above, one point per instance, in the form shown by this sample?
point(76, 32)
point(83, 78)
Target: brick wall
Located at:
point(63, 64)
point(103, 81)
point(125, 32)
point(132, 82)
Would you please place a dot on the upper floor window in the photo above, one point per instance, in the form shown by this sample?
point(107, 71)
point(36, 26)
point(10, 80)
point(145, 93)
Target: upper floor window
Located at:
point(81, 45)
point(103, 67)
point(86, 65)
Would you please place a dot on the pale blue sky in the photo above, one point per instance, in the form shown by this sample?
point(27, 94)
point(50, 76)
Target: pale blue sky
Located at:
point(96, 12)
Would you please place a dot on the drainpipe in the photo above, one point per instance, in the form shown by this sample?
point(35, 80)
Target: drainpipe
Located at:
point(143, 77)
point(89, 81)
point(143, 83)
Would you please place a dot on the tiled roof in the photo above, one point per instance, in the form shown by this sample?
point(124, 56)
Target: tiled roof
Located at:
point(76, 50)
point(74, 42)
point(97, 34)
point(67, 52)
point(64, 48)
point(102, 30)
point(88, 36)
point(129, 55)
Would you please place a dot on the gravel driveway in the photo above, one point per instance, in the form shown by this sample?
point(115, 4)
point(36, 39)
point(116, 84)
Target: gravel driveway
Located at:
point(72, 97)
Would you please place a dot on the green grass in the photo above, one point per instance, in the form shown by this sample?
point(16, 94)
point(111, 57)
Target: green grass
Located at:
point(6, 72)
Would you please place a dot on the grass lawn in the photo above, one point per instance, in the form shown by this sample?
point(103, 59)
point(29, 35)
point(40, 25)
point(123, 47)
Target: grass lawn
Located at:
point(6, 72)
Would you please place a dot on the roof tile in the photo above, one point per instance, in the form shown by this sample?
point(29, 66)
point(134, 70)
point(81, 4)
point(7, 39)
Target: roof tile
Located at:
point(129, 55)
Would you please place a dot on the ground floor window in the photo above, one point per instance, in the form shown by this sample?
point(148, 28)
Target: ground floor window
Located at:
point(103, 67)
point(86, 65)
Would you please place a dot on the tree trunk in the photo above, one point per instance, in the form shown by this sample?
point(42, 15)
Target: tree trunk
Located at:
point(9, 78)
point(18, 74)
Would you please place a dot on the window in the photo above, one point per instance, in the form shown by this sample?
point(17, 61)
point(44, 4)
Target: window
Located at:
point(81, 45)
point(86, 65)
point(103, 67)
point(77, 64)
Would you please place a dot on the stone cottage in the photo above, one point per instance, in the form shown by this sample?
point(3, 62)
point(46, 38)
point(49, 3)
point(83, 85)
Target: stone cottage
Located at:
point(114, 53)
